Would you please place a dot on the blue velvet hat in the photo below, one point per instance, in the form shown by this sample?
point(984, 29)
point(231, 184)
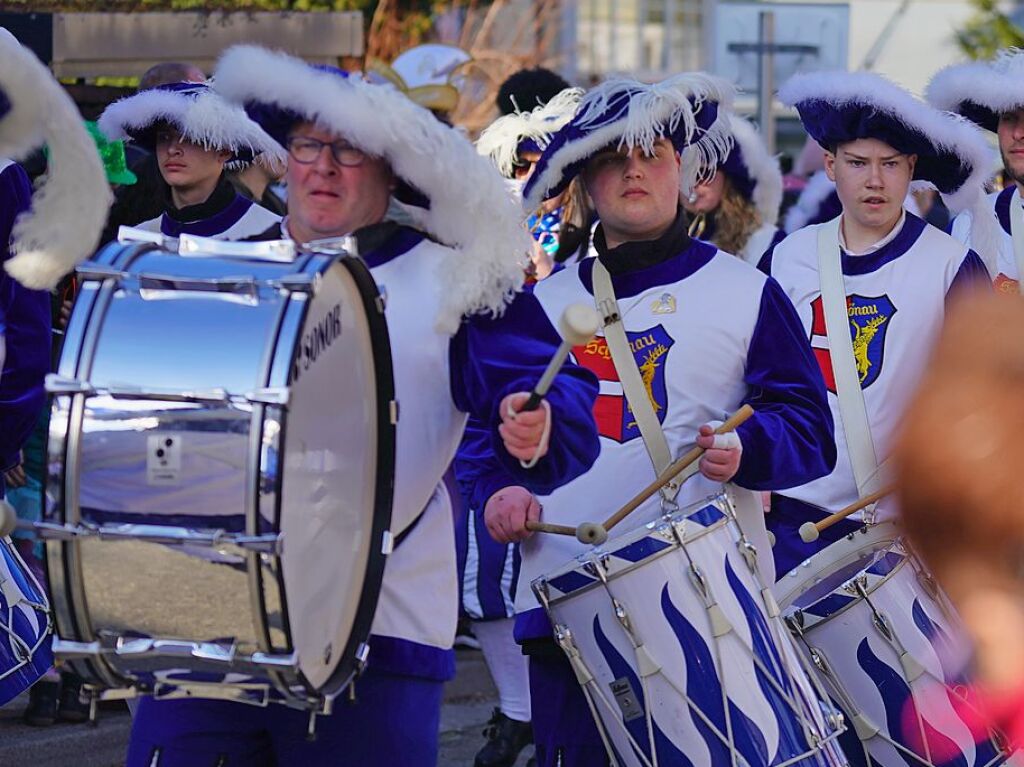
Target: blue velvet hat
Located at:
point(838, 107)
point(69, 203)
point(629, 114)
point(753, 172)
point(198, 113)
point(981, 90)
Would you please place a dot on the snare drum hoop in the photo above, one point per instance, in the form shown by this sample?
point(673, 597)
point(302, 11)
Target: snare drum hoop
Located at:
point(661, 527)
point(354, 655)
point(834, 557)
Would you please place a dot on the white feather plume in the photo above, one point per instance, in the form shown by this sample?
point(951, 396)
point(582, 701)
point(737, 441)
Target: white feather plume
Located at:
point(653, 110)
point(818, 189)
point(762, 167)
point(997, 85)
point(471, 210)
point(70, 204)
point(947, 131)
point(204, 119)
point(501, 139)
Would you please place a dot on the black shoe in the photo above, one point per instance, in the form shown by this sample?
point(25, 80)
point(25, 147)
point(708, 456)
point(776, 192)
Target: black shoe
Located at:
point(41, 710)
point(505, 739)
point(72, 708)
point(465, 639)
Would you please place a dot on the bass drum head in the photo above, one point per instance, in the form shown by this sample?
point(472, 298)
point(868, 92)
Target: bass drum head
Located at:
point(338, 474)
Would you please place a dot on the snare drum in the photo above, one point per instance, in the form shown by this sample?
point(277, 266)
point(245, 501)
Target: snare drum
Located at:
point(680, 652)
point(221, 460)
point(24, 625)
point(888, 647)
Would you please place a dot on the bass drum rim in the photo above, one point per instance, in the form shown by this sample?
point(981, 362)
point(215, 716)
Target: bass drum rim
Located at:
point(352, 658)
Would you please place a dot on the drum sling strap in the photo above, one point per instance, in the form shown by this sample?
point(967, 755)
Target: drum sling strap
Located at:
point(632, 383)
point(1017, 235)
point(859, 445)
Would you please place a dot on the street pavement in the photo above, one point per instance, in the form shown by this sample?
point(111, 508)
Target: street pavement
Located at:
point(468, 701)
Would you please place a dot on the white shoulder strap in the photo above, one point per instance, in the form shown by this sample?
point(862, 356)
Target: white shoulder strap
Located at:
point(1017, 235)
point(859, 444)
point(632, 383)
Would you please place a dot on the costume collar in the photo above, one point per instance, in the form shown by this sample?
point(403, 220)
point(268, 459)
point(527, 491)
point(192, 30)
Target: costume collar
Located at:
point(893, 233)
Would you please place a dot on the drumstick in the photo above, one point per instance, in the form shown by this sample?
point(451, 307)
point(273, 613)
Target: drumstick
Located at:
point(577, 325)
point(596, 534)
point(809, 531)
point(677, 466)
point(544, 527)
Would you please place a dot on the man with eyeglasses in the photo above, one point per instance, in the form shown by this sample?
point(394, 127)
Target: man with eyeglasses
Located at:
point(333, 187)
point(195, 136)
point(354, 150)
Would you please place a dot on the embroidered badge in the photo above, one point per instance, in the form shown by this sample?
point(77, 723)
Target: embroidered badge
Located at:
point(869, 322)
point(611, 411)
point(1004, 284)
point(664, 304)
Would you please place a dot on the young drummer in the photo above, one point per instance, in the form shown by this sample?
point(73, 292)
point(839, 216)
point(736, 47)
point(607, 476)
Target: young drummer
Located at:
point(881, 272)
point(991, 94)
point(710, 332)
point(195, 136)
point(354, 151)
point(738, 208)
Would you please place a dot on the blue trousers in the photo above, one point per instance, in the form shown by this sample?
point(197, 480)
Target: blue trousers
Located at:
point(393, 721)
point(564, 732)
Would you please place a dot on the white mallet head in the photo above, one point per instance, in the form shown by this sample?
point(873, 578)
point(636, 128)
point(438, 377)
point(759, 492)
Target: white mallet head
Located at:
point(771, 539)
point(579, 323)
point(809, 532)
point(8, 518)
point(591, 533)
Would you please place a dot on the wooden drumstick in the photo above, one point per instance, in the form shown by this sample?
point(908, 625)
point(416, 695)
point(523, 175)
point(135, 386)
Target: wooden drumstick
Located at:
point(545, 527)
point(809, 531)
point(578, 324)
point(670, 473)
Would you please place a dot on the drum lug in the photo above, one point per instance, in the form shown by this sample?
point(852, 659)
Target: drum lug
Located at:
point(393, 412)
point(911, 667)
point(298, 283)
point(270, 395)
point(863, 726)
point(882, 625)
point(362, 654)
point(58, 384)
point(564, 638)
point(387, 543)
point(91, 271)
point(749, 552)
point(771, 607)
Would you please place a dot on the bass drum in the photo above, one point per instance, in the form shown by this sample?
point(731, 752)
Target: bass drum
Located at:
point(221, 461)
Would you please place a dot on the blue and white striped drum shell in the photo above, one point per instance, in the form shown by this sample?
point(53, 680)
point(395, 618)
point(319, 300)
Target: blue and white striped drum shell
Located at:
point(681, 652)
point(888, 647)
point(25, 653)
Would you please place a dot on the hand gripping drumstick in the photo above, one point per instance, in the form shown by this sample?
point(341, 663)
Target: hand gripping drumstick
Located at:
point(596, 534)
point(578, 324)
point(809, 531)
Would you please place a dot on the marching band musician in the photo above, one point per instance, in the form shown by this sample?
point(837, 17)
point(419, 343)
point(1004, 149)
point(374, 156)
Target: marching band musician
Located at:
point(195, 136)
point(703, 333)
point(738, 208)
point(354, 150)
point(881, 271)
point(991, 95)
point(560, 226)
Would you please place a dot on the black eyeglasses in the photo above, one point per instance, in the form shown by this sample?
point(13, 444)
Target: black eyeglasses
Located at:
point(306, 151)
